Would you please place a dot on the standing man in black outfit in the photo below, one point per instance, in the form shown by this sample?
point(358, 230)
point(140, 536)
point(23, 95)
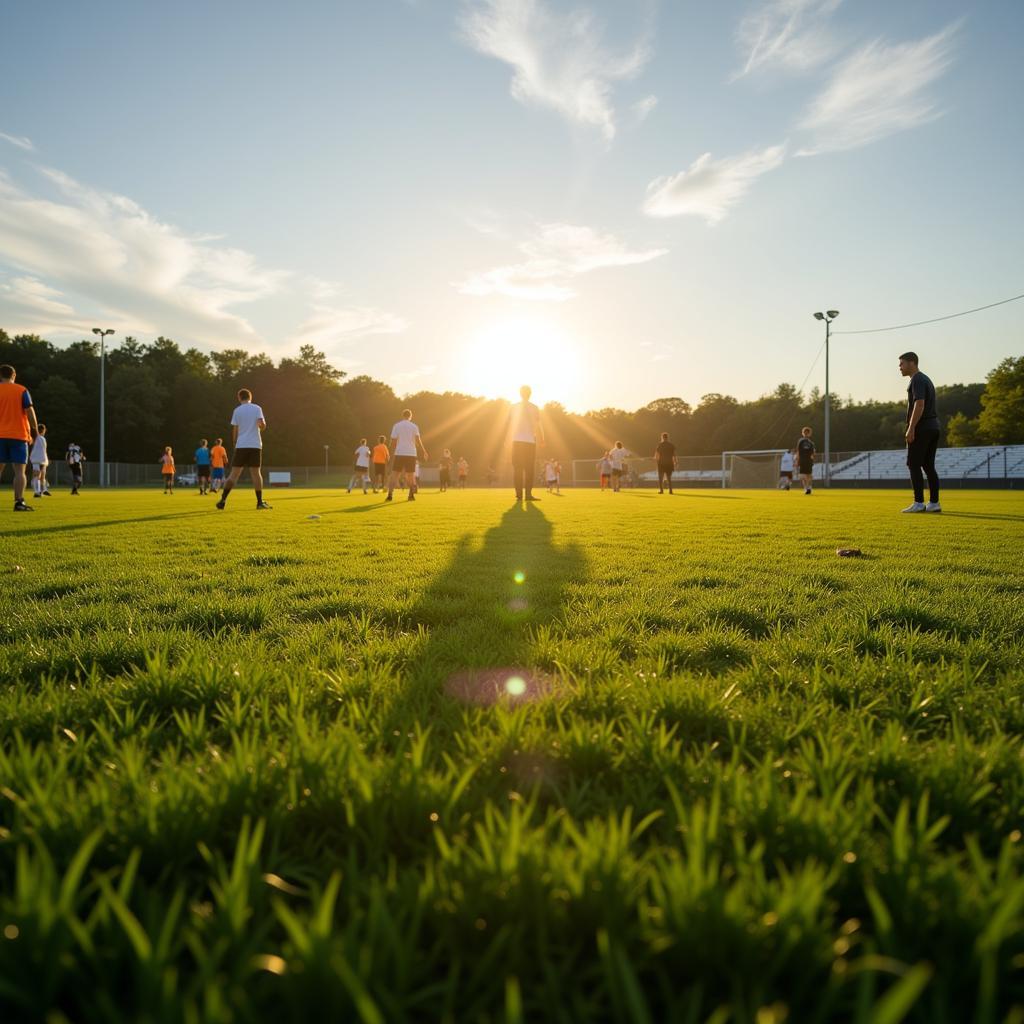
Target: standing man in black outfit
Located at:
point(665, 455)
point(922, 435)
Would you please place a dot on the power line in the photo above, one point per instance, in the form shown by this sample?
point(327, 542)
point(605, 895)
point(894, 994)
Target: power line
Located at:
point(935, 320)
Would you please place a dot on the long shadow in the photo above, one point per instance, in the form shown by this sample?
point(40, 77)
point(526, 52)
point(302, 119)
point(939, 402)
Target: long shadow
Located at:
point(62, 527)
point(480, 610)
point(983, 515)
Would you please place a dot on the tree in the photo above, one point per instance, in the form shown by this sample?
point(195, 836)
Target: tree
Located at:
point(962, 432)
point(1002, 404)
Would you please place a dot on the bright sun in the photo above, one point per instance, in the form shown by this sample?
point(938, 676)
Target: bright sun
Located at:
point(500, 357)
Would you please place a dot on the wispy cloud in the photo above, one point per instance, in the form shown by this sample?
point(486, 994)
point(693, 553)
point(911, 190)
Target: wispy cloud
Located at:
point(558, 60)
point(642, 108)
point(554, 256)
point(878, 91)
point(789, 35)
point(17, 140)
point(79, 253)
point(710, 187)
point(331, 326)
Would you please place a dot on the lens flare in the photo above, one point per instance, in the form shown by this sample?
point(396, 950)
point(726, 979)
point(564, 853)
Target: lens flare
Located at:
point(515, 686)
point(520, 576)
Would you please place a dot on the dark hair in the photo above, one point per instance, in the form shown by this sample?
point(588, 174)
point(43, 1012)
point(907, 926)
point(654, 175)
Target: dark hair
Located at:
point(407, 414)
point(6, 372)
point(910, 357)
point(220, 440)
point(244, 395)
point(381, 439)
point(41, 428)
point(664, 436)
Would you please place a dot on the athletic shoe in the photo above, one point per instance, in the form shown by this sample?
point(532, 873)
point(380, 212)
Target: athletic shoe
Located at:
point(412, 497)
point(46, 494)
point(262, 504)
point(390, 497)
point(933, 506)
point(917, 506)
point(807, 490)
point(221, 503)
point(20, 506)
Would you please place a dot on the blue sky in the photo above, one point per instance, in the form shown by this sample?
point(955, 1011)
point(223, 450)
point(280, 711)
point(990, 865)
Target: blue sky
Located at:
point(615, 201)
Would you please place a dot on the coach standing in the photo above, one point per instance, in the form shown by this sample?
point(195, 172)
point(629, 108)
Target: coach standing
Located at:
point(525, 433)
point(922, 435)
point(17, 427)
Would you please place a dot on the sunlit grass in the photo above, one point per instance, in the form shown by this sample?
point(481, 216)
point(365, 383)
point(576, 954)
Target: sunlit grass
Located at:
point(614, 757)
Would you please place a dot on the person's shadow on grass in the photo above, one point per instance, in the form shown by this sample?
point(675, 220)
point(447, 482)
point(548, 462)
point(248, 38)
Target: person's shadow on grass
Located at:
point(482, 610)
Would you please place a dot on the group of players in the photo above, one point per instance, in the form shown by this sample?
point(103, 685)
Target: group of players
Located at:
point(23, 440)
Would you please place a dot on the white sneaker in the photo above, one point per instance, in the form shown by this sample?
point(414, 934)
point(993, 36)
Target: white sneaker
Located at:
point(917, 506)
point(933, 506)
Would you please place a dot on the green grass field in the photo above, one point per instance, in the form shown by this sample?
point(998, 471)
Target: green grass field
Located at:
point(615, 757)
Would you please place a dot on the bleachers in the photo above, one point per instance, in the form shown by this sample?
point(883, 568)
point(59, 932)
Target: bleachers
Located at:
point(978, 463)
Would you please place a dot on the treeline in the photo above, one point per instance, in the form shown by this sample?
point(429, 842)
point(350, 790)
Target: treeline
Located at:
point(159, 394)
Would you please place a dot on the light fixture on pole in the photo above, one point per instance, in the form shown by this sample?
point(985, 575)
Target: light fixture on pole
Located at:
point(326, 448)
point(103, 414)
point(828, 316)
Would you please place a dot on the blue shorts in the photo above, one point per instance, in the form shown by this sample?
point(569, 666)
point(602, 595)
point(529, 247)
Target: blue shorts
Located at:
point(14, 452)
point(218, 472)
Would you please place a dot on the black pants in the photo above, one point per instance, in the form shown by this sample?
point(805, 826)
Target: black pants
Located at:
point(524, 455)
point(921, 460)
point(664, 477)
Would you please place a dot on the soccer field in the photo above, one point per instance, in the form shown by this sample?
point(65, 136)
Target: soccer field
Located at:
point(609, 757)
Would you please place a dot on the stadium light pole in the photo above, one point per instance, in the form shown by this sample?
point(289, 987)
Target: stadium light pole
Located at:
point(326, 449)
point(103, 412)
point(828, 317)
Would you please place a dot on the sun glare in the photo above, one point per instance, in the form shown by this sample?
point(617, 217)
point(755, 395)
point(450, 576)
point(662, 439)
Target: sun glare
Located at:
point(500, 357)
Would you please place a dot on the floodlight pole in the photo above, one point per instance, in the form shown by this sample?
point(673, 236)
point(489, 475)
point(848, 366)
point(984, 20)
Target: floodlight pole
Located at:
point(828, 317)
point(103, 411)
point(326, 449)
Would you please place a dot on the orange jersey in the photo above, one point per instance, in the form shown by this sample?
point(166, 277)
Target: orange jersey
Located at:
point(380, 453)
point(168, 464)
point(218, 456)
point(14, 412)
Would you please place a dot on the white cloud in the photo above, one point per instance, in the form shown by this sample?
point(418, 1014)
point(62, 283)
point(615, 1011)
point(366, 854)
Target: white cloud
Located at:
point(643, 107)
point(710, 187)
point(558, 60)
point(330, 326)
point(17, 140)
point(790, 35)
point(878, 91)
point(83, 255)
point(554, 256)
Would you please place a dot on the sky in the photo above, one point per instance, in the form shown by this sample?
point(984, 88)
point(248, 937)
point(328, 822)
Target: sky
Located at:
point(613, 201)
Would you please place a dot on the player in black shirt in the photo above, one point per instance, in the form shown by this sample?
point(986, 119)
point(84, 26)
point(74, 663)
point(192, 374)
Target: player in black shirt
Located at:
point(805, 457)
point(665, 454)
point(922, 435)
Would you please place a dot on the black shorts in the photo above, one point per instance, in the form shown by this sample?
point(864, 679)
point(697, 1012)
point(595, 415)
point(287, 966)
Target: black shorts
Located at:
point(203, 472)
point(76, 471)
point(361, 469)
point(446, 476)
point(806, 468)
point(404, 463)
point(247, 457)
point(666, 468)
point(379, 470)
point(787, 473)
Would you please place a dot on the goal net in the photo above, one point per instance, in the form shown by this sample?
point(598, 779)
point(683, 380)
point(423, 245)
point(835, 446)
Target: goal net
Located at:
point(752, 469)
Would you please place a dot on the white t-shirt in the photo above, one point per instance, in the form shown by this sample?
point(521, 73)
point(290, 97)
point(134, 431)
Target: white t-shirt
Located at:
point(618, 457)
point(405, 433)
point(551, 471)
point(246, 417)
point(523, 420)
point(786, 465)
point(605, 466)
point(363, 457)
point(38, 454)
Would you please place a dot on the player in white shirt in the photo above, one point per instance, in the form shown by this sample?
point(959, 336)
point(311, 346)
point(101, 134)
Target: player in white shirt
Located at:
point(525, 432)
point(40, 460)
point(362, 467)
point(786, 471)
point(406, 444)
point(247, 426)
point(604, 468)
point(617, 457)
point(552, 475)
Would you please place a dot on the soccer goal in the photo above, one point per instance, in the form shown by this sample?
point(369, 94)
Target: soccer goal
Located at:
point(752, 469)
